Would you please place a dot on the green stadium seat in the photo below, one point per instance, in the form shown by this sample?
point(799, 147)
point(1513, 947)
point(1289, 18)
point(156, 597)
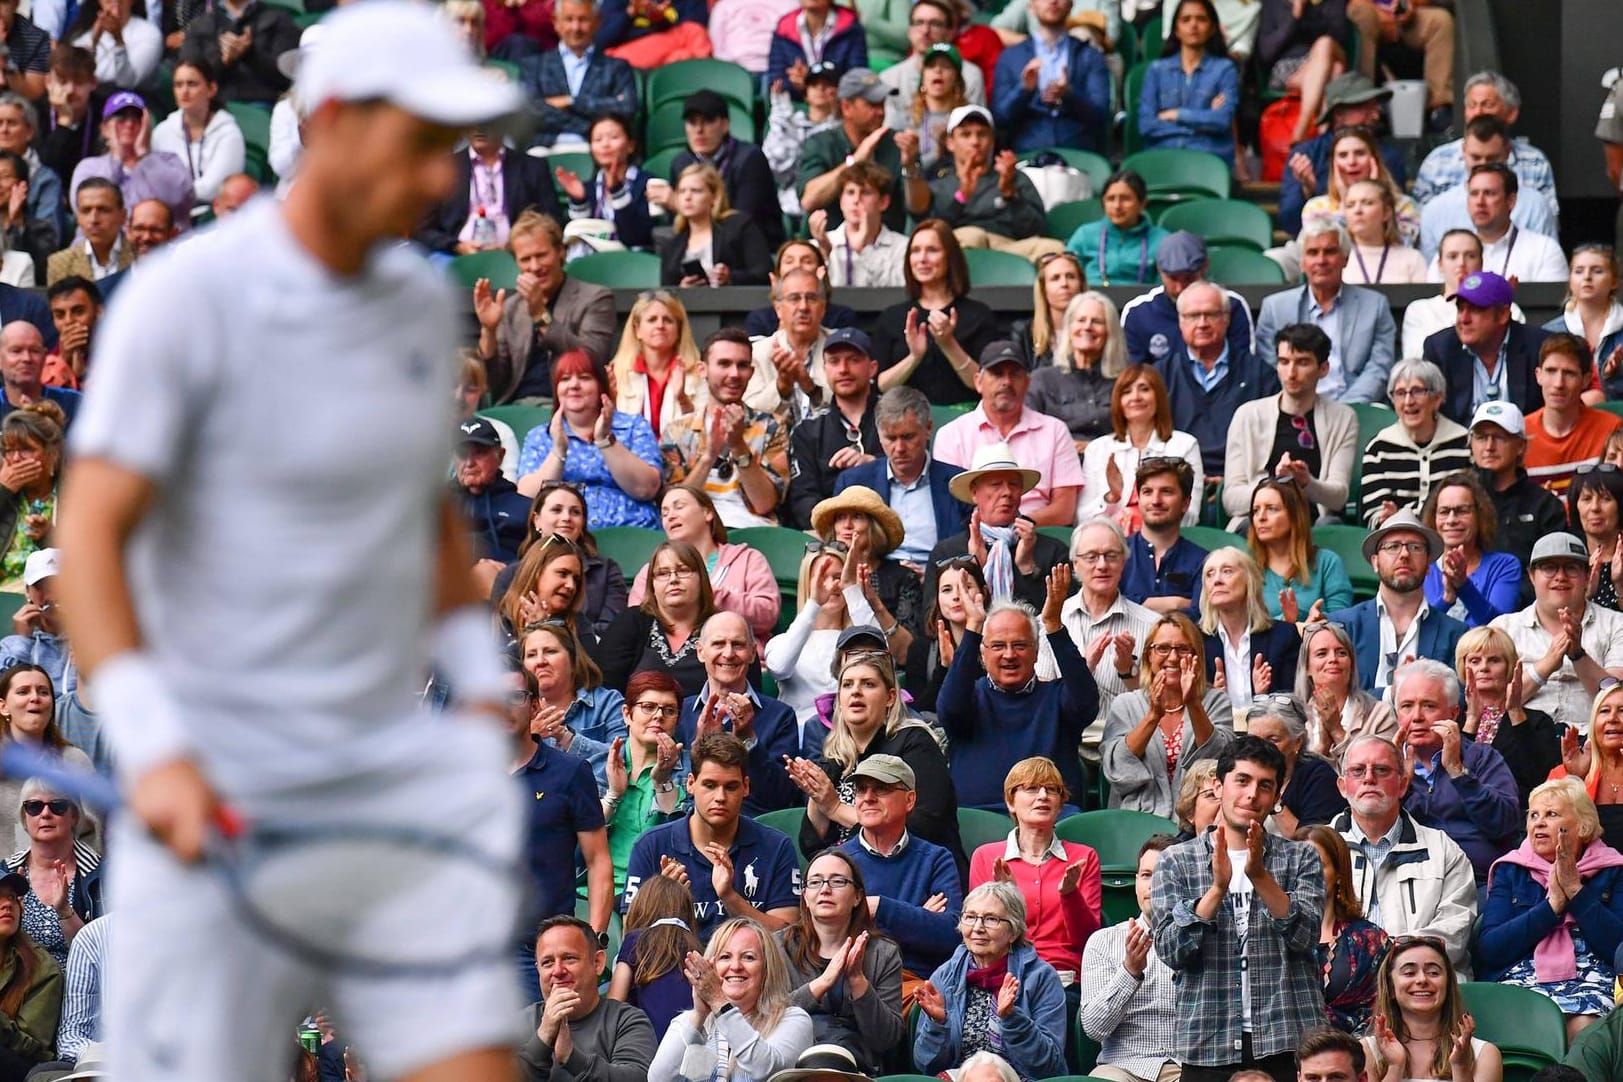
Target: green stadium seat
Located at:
point(1096, 166)
point(1612, 406)
point(578, 162)
point(1132, 90)
point(1116, 834)
point(1371, 419)
point(674, 82)
point(1519, 1021)
point(990, 268)
point(659, 165)
point(788, 821)
point(617, 270)
point(1348, 543)
point(255, 124)
point(308, 19)
point(629, 546)
point(1181, 174)
point(1231, 266)
point(667, 129)
point(9, 604)
point(1221, 221)
point(1211, 538)
point(1149, 40)
point(1062, 534)
point(1066, 218)
point(499, 266)
point(783, 548)
point(521, 419)
point(940, 415)
point(978, 827)
point(506, 67)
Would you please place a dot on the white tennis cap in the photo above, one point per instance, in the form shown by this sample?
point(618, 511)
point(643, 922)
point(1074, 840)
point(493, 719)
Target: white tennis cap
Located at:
point(402, 52)
point(41, 564)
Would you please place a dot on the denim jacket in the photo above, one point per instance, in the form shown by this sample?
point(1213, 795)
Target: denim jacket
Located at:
point(1200, 125)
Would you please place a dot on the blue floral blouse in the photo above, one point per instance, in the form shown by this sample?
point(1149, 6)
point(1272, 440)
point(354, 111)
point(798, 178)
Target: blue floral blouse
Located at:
point(606, 504)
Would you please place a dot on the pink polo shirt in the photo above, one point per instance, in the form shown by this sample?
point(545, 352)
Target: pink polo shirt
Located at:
point(1037, 440)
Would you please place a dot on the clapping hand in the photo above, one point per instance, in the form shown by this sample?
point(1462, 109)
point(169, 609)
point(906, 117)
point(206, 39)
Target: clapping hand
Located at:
point(1008, 995)
point(487, 307)
point(1262, 675)
point(1071, 879)
point(1220, 680)
point(1392, 1050)
point(917, 333)
point(1460, 1056)
point(943, 325)
point(1289, 608)
point(721, 869)
point(671, 868)
point(931, 1003)
point(1137, 957)
point(701, 976)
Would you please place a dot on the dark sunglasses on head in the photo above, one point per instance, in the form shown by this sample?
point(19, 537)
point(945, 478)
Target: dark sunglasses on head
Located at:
point(837, 548)
point(1596, 467)
point(58, 807)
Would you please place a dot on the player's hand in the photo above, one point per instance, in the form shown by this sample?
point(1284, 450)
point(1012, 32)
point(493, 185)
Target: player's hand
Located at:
point(178, 806)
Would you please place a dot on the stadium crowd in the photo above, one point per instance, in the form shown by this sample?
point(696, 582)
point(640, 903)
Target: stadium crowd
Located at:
point(1167, 691)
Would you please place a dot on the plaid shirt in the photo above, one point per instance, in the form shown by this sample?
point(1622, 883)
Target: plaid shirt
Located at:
point(768, 440)
point(1287, 987)
point(1445, 167)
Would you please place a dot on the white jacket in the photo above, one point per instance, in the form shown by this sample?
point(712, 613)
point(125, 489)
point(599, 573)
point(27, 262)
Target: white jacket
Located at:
point(221, 152)
point(1425, 886)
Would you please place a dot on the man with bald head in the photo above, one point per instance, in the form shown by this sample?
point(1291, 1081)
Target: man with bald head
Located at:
point(1207, 380)
point(728, 703)
point(234, 192)
point(22, 369)
point(151, 225)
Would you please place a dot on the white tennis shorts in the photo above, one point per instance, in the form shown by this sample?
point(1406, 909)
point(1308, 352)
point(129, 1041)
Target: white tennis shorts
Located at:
point(194, 995)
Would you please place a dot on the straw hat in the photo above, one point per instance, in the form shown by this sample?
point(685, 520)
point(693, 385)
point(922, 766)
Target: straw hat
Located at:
point(862, 500)
point(992, 458)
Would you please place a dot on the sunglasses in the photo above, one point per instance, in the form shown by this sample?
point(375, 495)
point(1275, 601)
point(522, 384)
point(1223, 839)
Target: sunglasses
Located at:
point(1596, 467)
point(35, 807)
point(553, 486)
point(1304, 434)
point(555, 539)
point(834, 548)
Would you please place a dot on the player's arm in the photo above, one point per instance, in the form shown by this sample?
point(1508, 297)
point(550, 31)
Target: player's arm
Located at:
point(102, 503)
point(464, 647)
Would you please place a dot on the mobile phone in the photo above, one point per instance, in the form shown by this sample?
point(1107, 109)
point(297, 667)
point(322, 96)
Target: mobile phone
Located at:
point(693, 269)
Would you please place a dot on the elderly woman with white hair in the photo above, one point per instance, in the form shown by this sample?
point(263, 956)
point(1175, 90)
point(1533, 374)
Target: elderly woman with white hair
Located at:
point(1338, 707)
point(1554, 915)
point(64, 874)
point(1155, 734)
point(1307, 793)
point(1089, 352)
point(994, 994)
point(1404, 460)
point(1247, 651)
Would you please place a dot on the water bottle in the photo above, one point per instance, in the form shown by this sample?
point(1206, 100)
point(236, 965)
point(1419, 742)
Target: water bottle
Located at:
point(484, 230)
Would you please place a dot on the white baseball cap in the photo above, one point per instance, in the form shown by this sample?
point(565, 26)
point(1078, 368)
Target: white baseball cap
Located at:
point(402, 52)
point(1507, 415)
point(40, 565)
point(968, 112)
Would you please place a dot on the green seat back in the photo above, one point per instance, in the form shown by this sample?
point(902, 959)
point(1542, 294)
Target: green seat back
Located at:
point(1348, 543)
point(499, 266)
point(617, 270)
point(659, 165)
point(787, 821)
point(1116, 834)
point(521, 419)
point(667, 129)
point(629, 546)
point(978, 827)
point(1132, 90)
point(1221, 221)
point(1066, 218)
point(783, 548)
point(578, 162)
point(1211, 538)
point(1232, 266)
point(1371, 419)
point(989, 268)
point(1518, 1020)
point(1062, 534)
point(256, 125)
point(1149, 39)
point(1181, 174)
point(674, 82)
point(506, 67)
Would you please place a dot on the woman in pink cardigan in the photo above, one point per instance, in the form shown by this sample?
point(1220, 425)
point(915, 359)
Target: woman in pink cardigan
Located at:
point(740, 577)
point(1060, 880)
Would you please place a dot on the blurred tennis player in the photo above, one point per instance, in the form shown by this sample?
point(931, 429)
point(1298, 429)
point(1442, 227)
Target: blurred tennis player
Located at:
point(261, 567)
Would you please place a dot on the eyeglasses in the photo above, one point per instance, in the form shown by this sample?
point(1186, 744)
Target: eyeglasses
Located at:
point(1276, 699)
point(555, 539)
point(1014, 646)
point(1038, 790)
point(1379, 773)
point(822, 883)
point(58, 807)
point(1406, 548)
point(1304, 434)
point(1462, 511)
point(518, 697)
point(1162, 649)
point(1400, 393)
point(667, 574)
point(655, 710)
point(796, 299)
point(834, 547)
point(981, 920)
point(1067, 256)
point(1203, 317)
point(1100, 557)
point(1553, 568)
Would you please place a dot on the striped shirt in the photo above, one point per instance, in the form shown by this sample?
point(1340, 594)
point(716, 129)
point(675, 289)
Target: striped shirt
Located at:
point(1400, 470)
point(81, 1001)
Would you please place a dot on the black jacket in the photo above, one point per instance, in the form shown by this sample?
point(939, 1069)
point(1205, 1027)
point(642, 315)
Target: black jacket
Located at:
point(525, 183)
point(498, 518)
point(1280, 646)
point(750, 185)
point(1446, 351)
point(977, 328)
point(1032, 589)
point(812, 443)
point(1526, 511)
point(734, 240)
point(255, 76)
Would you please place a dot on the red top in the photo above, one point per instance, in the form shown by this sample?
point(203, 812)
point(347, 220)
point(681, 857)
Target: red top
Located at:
point(1058, 925)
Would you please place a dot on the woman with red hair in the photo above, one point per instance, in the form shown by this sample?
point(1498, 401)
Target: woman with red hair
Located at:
point(611, 457)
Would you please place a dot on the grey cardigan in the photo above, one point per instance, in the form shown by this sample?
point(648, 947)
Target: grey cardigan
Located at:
point(1142, 784)
point(870, 1026)
point(1251, 438)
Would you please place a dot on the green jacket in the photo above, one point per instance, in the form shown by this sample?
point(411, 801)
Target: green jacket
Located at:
point(1016, 218)
point(32, 1033)
point(1598, 1051)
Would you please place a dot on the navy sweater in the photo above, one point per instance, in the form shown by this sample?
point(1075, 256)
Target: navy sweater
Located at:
point(1207, 415)
point(903, 882)
point(991, 730)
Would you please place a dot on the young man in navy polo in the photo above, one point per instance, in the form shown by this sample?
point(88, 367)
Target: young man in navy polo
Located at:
point(734, 866)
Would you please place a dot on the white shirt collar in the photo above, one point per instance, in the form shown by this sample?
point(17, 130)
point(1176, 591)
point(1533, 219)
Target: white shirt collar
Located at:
point(1011, 849)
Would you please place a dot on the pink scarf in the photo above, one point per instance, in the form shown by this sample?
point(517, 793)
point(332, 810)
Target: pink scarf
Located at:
point(1554, 959)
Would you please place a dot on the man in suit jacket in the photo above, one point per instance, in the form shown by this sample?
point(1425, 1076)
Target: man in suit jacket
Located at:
point(1398, 624)
point(571, 314)
point(743, 168)
point(1484, 335)
point(99, 211)
point(524, 182)
point(1320, 448)
point(575, 83)
point(1359, 321)
point(1058, 98)
point(915, 485)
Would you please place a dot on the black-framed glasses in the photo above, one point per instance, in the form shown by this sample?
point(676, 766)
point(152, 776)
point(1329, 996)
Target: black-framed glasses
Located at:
point(822, 883)
point(58, 806)
point(1304, 434)
point(655, 710)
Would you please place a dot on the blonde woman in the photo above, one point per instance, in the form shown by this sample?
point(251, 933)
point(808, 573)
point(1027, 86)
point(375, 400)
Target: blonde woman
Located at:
point(870, 718)
point(1379, 256)
point(1060, 278)
point(941, 90)
point(831, 599)
point(1598, 761)
point(713, 244)
point(742, 1026)
point(1248, 653)
point(655, 370)
point(1592, 312)
point(1088, 353)
point(1338, 708)
point(1356, 155)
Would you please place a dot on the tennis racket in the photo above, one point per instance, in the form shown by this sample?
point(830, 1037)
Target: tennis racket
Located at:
point(363, 899)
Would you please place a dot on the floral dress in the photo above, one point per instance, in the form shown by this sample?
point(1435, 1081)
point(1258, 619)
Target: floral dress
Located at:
point(1349, 966)
point(34, 518)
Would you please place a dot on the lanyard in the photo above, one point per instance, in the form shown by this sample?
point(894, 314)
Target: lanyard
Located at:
point(490, 199)
point(1515, 231)
point(1380, 268)
point(1143, 255)
point(850, 264)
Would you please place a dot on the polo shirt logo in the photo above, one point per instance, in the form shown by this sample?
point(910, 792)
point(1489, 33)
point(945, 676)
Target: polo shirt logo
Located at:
point(752, 882)
point(539, 795)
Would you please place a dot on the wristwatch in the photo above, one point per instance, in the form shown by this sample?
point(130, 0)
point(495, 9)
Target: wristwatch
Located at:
point(743, 461)
point(665, 787)
point(605, 443)
point(603, 940)
point(1576, 654)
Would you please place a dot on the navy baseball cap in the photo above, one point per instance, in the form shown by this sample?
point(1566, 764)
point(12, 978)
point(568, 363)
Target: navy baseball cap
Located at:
point(1002, 352)
point(849, 338)
point(477, 430)
point(1181, 253)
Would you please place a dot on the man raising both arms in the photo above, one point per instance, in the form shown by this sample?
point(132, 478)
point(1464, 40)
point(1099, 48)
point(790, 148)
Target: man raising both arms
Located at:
point(260, 599)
